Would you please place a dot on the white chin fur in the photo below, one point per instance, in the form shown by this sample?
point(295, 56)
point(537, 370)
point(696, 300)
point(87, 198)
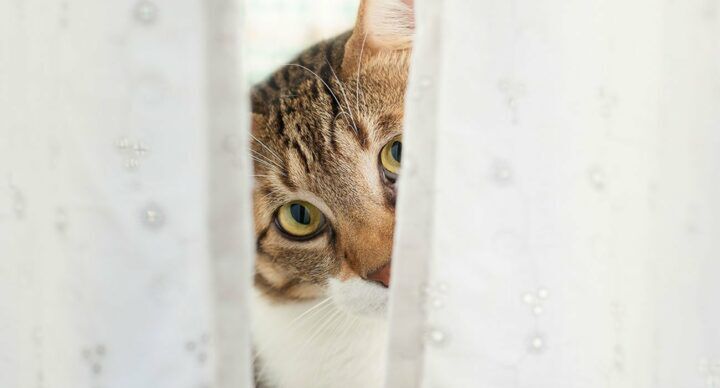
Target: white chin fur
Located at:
point(323, 343)
point(359, 297)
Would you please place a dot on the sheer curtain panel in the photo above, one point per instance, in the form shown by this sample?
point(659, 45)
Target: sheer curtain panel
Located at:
point(125, 246)
point(558, 219)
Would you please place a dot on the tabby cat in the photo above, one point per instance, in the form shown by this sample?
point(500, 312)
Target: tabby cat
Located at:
point(327, 148)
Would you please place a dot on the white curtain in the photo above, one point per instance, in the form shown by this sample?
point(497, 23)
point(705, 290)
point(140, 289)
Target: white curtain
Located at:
point(558, 218)
point(125, 244)
point(559, 221)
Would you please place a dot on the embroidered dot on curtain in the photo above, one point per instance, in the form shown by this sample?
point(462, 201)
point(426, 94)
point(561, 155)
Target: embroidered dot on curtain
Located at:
point(558, 218)
point(125, 241)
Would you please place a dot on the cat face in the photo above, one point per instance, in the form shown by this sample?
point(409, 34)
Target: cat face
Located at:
point(327, 146)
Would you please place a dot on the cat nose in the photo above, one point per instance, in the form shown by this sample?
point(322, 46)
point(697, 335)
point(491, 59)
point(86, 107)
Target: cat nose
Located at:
point(381, 275)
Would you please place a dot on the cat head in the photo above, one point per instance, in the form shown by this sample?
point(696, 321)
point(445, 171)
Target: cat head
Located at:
point(326, 144)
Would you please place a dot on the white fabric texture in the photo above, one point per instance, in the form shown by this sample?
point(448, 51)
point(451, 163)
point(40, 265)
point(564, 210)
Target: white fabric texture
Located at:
point(558, 218)
point(122, 176)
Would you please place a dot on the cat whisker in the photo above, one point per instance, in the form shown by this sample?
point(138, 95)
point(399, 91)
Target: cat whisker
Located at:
point(339, 330)
point(308, 311)
point(321, 80)
point(258, 156)
point(335, 315)
point(279, 159)
point(267, 164)
point(321, 307)
point(265, 158)
point(266, 196)
point(343, 113)
point(328, 317)
point(342, 90)
point(263, 161)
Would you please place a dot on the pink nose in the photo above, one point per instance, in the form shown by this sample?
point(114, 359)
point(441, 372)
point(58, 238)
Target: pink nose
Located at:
point(381, 275)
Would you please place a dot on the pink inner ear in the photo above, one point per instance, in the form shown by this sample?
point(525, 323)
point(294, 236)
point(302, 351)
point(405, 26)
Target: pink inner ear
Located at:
point(409, 2)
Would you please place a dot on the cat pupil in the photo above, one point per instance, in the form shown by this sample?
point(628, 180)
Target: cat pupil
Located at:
point(396, 150)
point(300, 214)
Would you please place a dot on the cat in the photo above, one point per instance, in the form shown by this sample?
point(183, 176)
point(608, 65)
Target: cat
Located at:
point(327, 147)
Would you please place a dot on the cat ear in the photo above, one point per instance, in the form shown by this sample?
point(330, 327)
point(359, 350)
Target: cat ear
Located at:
point(382, 25)
point(388, 24)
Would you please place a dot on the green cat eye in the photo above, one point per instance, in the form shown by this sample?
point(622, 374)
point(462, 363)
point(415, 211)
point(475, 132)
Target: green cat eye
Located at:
point(391, 155)
point(300, 219)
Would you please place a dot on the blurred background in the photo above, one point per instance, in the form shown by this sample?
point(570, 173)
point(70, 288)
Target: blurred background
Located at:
point(277, 30)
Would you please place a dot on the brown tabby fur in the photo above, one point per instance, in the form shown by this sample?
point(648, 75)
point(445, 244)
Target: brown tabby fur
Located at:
point(319, 124)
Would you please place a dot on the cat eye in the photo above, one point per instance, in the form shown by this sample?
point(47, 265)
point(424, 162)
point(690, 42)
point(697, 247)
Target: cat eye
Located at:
point(391, 155)
point(300, 220)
